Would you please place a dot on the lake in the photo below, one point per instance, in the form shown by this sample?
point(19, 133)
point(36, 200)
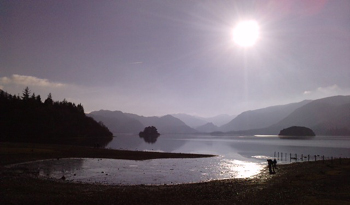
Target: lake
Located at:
point(244, 148)
point(237, 157)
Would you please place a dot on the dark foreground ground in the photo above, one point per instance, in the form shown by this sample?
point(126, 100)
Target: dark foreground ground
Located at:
point(298, 183)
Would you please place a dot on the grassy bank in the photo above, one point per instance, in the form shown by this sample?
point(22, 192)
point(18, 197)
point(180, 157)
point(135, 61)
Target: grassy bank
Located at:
point(298, 183)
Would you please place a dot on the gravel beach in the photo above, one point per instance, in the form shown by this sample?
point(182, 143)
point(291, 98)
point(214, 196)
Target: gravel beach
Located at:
point(298, 183)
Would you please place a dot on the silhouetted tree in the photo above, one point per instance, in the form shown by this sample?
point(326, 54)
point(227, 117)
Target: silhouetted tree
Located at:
point(38, 99)
point(49, 100)
point(28, 119)
point(80, 108)
point(26, 94)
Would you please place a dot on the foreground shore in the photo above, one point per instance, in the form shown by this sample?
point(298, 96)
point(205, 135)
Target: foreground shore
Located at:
point(297, 183)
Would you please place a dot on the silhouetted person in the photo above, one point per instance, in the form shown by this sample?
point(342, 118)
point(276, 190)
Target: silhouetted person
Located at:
point(274, 164)
point(269, 161)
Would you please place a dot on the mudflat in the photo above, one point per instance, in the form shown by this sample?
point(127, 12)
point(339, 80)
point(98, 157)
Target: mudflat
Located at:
point(298, 183)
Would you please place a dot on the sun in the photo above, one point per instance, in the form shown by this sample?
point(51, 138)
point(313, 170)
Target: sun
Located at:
point(246, 33)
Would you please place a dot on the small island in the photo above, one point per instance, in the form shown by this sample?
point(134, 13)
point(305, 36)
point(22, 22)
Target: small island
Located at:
point(296, 132)
point(149, 134)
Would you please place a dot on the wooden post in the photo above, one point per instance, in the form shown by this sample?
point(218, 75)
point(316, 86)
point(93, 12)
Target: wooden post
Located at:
point(290, 156)
point(296, 157)
point(302, 157)
point(308, 157)
point(315, 158)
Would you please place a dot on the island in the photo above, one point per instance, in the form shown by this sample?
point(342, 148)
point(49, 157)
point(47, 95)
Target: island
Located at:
point(296, 132)
point(149, 134)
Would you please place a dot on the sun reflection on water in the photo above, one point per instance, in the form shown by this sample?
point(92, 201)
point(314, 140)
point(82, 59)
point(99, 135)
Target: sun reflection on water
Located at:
point(241, 169)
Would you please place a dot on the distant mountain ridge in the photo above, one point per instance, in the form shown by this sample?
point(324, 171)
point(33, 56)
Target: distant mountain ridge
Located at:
point(119, 122)
point(195, 121)
point(261, 118)
point(207, 128)
point(325, 116)
point(328, 116)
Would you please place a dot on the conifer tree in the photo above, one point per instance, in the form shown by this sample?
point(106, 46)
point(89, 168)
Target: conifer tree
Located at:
point(49, 100)
point(26, 94)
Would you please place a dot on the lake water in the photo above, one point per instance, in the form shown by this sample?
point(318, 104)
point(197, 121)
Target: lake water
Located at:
point(243, 148)
point(237, 157)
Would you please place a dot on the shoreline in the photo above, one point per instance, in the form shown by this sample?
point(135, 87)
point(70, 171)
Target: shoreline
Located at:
point(307, 182)
point(21, 152)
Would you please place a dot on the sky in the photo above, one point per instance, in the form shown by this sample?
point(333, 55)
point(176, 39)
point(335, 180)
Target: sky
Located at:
point(154, 58)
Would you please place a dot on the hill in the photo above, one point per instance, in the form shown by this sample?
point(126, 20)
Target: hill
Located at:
point(120, 122)
point(190, 120)
point(207, 128)
point(195, 121)
point(261, 118)
point(117, 121)
point(28, 119)
point(326, 116)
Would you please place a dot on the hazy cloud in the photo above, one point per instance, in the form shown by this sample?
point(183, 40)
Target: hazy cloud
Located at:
point(137, 62)
point(326, 91)
point(29, 81)
point(329, 89)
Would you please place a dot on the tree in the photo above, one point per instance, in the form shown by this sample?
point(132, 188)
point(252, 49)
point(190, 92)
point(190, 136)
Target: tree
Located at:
point(26, 94)
point(49, 100)
point(80, 108)
point(38, 98)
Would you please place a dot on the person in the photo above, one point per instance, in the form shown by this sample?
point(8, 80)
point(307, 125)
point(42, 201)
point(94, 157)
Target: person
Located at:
point(269, 161)
point(274, 164)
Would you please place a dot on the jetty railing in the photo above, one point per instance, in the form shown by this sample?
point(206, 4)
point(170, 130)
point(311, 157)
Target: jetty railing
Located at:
point(284, 156)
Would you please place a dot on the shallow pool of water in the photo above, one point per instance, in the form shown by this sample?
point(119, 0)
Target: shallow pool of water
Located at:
point(148, 172)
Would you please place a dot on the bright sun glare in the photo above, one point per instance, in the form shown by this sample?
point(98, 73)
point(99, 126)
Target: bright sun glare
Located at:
point(246, 33)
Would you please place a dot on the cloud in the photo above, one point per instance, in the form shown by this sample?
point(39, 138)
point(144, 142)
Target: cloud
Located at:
point(29, 81)
point(1, 87)
point(326, 91)
point(136, 62)
point(329, 89)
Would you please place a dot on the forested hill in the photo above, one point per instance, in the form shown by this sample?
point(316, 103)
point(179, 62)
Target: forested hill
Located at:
point(27, 118)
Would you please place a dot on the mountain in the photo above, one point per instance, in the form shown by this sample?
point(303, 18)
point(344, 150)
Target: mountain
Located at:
point(195, 121)
point(328, 116)
point(190, 120)
point(220, 120)
point(261, 118)
point(119, 122)
point(208, 128)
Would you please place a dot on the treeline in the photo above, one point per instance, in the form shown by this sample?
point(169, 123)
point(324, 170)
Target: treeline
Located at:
point(27, 118)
